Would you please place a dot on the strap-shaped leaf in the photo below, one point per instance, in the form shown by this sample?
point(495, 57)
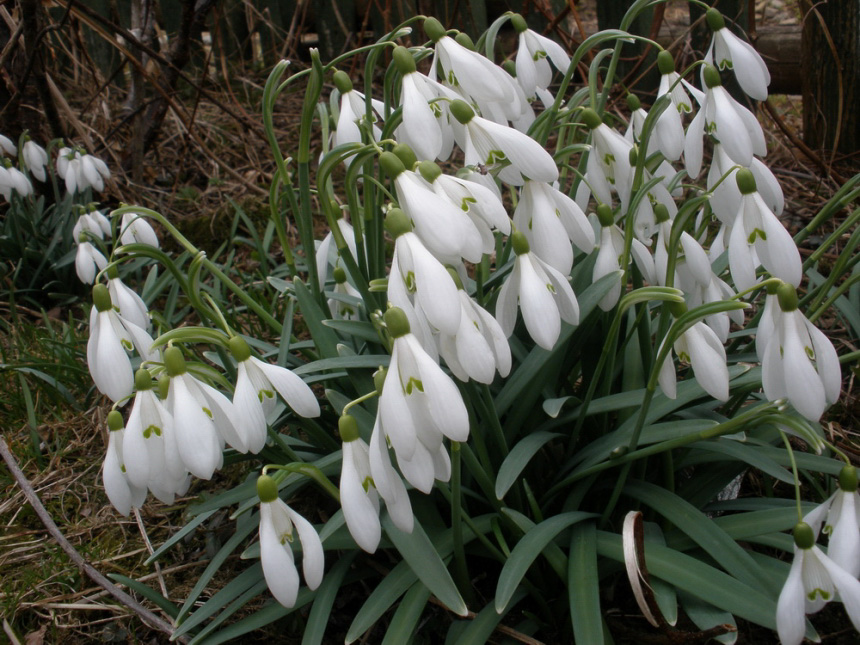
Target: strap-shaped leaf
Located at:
point(747, 453)
point(408, 613)
point(324, 337)
point(420, 554)
point(699, 579)
point(706, 616)
point(147, 592)
point(518, 459)
point(324, 600)
point(394, 585)
point(701, 529)
point(584, 584)
point(485, 622)
point(527, 550)
point(179, 535)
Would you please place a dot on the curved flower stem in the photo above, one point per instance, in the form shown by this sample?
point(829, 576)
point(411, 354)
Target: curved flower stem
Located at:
point(310, 471)
point(797, 495)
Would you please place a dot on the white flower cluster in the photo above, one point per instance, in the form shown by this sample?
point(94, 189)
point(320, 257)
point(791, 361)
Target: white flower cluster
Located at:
point(442, 223)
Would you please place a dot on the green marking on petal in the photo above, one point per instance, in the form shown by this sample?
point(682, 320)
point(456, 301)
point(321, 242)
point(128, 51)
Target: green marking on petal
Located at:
point(757, 232)
point(127, 344)
point(466, 201)
point(809, 352)
point(208, 412)
point(684, 356)
point(608, 159)
point(367, 483)
point(550, 288)
point(414, 384)
point(410, 282)
point(496, 156)
point(538, 55)
point(265, 394)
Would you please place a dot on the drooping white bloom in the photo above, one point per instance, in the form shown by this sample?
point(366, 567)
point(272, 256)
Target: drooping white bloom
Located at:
point(551, 220)
point(813, 581)
point(327, 253)
point(347, 301)
point(701, 348)
point(513, 155)
point(799, 362)
point(277, 521)
point(121, 492)
point(91, 173)
point(358, 495)
point(110, 338)
point(609, 254)
point(419, 405)
point(203, 417)
point(352, 116)
point(36, 159)
point(767, 323)
point(88, 261)
point(667, 135)
point(608, 167)
point(8, 146)
point(444, 228)
point(476, 78)
point(544, 296)
point(480, 203)
point(387, 481)
point(128, 304)
point(479, 348)
point(93, 223)
point(729, 122)
point(12, 179)
point(534, 53)
point(254, 397)
point(727, 51)
point(758, 236)
point(134, 229)
point(150, 454)
point(841, 517)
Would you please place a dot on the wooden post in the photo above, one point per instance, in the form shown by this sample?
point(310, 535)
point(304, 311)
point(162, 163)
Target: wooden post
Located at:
point(830, 73)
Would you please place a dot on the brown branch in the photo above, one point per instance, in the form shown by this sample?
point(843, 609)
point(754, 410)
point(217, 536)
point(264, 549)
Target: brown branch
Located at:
point(152, 620)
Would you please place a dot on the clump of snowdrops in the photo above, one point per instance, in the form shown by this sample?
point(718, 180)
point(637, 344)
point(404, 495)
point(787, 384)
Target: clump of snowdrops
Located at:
point(540, 348)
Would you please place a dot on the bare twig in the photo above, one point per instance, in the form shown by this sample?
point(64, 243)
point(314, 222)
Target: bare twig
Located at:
point(148, 617)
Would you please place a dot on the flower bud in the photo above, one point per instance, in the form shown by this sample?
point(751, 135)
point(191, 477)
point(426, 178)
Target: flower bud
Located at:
point(239, 348)
point(715, 19)
point(848, 479)
point(114, 421)
point(518, 23)
point(174, 361)
point(339, 275)
point(711, 77)
point(342, 82)
point(430, 170)
point(665, 62)
point(591, 119)
point(434, 29)
point(396, 321)
point(605, 215)
point(746, 181)
point(633, 102)
point(142, 380)
point(403, 60)
point(787, 295)
point(397, 223)
point(391, 164)
point(465, 41)
point(804, 536)
point(101, 298)
point(520, 243)
point(348, 428)
point(405, 153)
point(267, 489)
point(461, 111)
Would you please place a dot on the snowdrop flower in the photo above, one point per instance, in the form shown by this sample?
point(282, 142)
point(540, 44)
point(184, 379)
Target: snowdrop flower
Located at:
point(608, 166)
point(442, 226)
point(203, 417)
point(92, 222)
point(12, 179)
point(725, 195)
point(727, 51)
point(134, 229)
point(149, 450)
point(813, 581)
point(327, 253)
point(479, 348)
point(254, 397)
point(515, 155)
point(426, 124)
point(277, 521)
point(730, 123)
point(8, 146)
point(127, 303)
point(551, 220)
point(120, 491)
point(609, 255)
point(353, 113)
point(800, 363)
point(769, 320)
point(81, 170)
point(543, 295)
point(35, 158)
point(418, 283)
point(757, 235)
point(534, 52)
point(475, 77)
point(701, 348)
point(88, 261)
point(358, 496)
point(667, 135)
point(692, 267)
point(419, 405)
point(483, 207)
point(343, 306)
point(841, 517)
point(110, 338)
point(386, 479)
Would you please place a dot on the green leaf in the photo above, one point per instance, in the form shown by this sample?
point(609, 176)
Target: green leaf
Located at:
point(260, 618)
point(147, 592)
point(405, 619)
point(363, 361)
point(324, 337)
point(420, 554)
point(178, 536)
point(584, 585)
point(747, 453)
point(356, 329)
point(394, 585)
point(691, 521)
point(706, 616)
point(518, 459)
point(252, 577)
point(485, 622)
point(324, 601)
point(699, 579)
point(527, 550)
